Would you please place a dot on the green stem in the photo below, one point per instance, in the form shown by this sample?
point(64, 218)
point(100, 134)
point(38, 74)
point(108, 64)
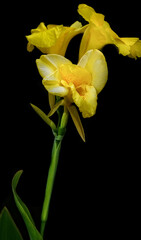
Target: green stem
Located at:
point(52, 169)
point(50, 181)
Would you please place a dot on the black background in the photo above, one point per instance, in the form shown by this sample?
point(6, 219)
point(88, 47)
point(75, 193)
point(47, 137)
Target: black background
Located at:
point(96, 192)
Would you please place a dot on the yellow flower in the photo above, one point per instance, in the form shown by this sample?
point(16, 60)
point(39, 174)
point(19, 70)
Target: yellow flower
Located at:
point(79, 84)
point(99, 33)
point(53, 38)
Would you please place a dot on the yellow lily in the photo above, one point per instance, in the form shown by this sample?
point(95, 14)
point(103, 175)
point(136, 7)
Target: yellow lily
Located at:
point(79, 84)
point(99, 33)
point(53, 38)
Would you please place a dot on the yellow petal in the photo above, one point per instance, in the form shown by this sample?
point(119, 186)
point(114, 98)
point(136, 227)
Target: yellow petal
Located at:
point(64, 38)
point(129, 41)
point(85, 98)
point(132, 44)
point(53, 38)
point(44, 68)
point(41, 27)
point(75, 74)
point(30, 47)
point(89, 14)
point(76, 119)
point(85, 11)
point(123, 48)
point(135, 50)
point(94, 37)
point(94, 61)
point(44, 39)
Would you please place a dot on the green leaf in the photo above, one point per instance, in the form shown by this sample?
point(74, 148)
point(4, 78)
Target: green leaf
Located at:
point(8, 228)
point(44, 116)
point(31, 228)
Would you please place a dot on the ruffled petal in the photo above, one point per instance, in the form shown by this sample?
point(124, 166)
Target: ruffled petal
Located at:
point(135, 50)
point(41, 27)
point(86, 103)
point(129, 46)
point(53, 38)
point(89, 14)
point(43, 39)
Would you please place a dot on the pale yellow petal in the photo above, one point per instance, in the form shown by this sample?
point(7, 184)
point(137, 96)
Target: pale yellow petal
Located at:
point(56, 60)
point(44, 68)
point(56, 89)
point(47, 64)
point(51, 79)
point(84, 59)
point(76, 25)
point(94, 61)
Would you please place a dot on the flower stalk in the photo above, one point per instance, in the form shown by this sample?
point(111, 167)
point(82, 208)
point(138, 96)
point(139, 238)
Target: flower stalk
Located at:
point(58, 137)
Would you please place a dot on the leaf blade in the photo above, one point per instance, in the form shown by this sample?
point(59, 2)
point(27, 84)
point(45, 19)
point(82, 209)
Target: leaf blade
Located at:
point(8, 228)
point(31, 228)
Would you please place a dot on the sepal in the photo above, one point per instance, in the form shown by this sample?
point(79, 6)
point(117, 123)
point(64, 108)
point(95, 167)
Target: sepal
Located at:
point(44, 116)
point(77, 121)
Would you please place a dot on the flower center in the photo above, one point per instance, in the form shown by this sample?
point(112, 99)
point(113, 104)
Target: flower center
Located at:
point(75, 74)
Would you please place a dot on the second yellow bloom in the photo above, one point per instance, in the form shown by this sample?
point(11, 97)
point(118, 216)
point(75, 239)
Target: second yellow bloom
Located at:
point(99, 33)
